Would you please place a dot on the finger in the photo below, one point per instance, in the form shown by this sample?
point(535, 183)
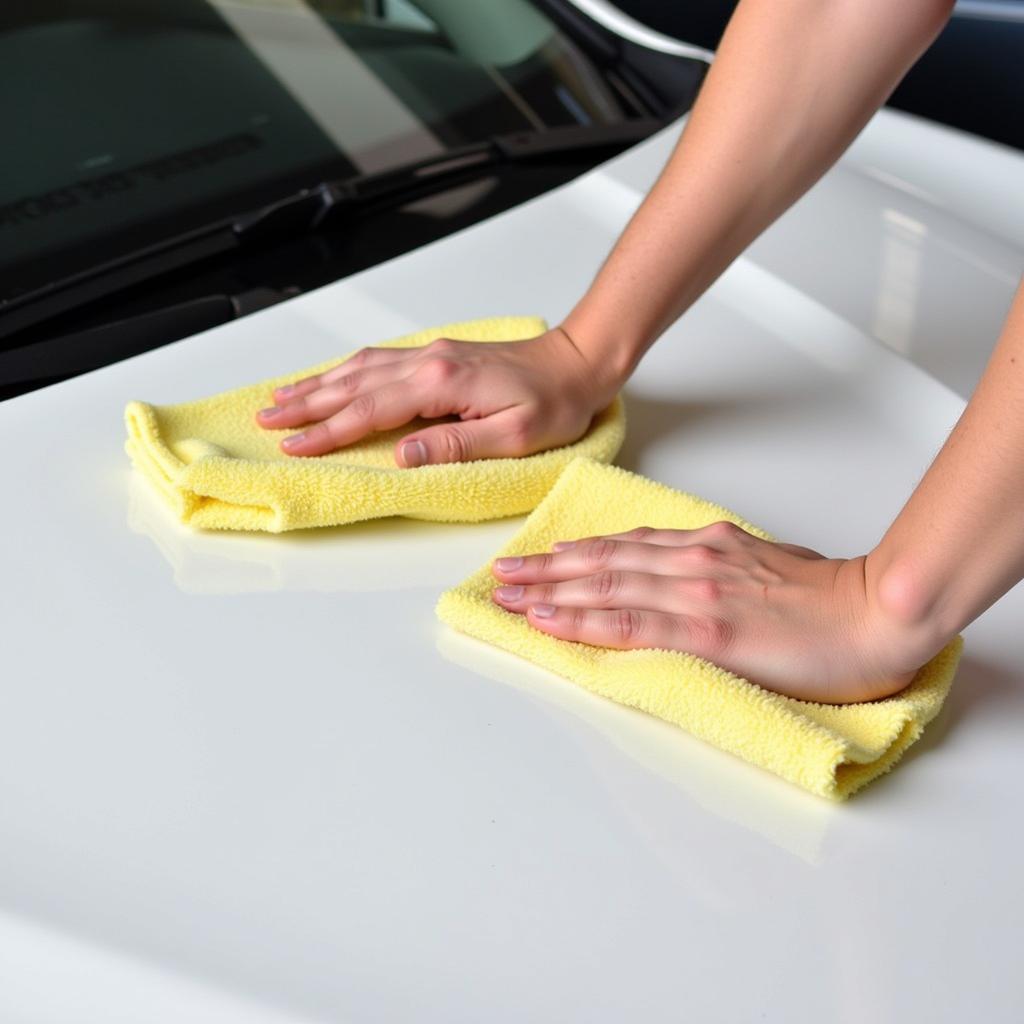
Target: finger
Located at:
point(362, 359)
point(623, 628)
point(384, 409)
point(641, 534)
point(720, 535)
point(299, 389)
point(329, 399)
point(500, 435)
point(604, 553)
point(616, 589)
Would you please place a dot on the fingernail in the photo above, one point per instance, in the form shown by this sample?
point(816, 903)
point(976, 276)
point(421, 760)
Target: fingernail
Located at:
point(543, 611)
point(508, 564)
point(414, 453)
point(563, 545)
point(291, 442)
point(287, 389)
point(269, 414)
point(510, 593)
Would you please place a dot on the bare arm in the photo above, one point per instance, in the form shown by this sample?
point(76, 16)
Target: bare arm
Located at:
point(832, 630)
point(958, 544)
point(793, 83)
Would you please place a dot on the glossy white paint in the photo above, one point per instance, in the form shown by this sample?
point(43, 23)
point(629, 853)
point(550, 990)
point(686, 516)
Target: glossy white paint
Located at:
point(251, 778)
point(917, 237)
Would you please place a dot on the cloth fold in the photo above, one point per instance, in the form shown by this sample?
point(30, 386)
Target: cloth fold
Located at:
point(219, 470)
point(831, 750)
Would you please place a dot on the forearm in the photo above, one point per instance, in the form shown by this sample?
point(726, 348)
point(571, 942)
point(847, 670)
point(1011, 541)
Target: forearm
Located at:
point(958, 544)
point(792, 84)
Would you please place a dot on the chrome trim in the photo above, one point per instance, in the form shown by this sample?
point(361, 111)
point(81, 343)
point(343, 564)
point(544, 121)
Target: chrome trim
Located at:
point(985, 10)
point(608, 15)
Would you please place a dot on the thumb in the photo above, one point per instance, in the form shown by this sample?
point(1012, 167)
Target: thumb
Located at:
point(491, 437)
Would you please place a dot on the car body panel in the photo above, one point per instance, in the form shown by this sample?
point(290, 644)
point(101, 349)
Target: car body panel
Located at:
point(252, 778)
point(916, 237)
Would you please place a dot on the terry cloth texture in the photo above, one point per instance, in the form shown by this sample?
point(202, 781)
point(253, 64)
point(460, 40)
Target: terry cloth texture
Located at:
point(219, 470)
point(831, 750)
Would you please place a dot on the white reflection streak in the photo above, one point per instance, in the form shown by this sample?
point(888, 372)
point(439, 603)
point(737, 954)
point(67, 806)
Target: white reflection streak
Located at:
point(323, 75)
point(369, 557)
point(899, 280)
point(55, 975)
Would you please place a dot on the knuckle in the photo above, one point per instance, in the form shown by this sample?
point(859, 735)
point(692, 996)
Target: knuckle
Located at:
point(604, 585)
point(713, 635)
point(600, 551)
point(627, 626)
point(698, 554)
point(640, 532)
point(435, 372)
point(456, 444)
point(362, 407)
point(442, 346)
point(724, 530)
point(719, 528)
point(360, 358)
point(578, 620)
point(708, 591)
point(543, 561)
point(348, 383)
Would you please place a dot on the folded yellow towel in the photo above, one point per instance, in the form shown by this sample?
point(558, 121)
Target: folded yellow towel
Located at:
point(832, 750)
point(219, 470)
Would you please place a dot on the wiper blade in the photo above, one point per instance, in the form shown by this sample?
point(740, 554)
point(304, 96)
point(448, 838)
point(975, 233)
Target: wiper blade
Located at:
point(54, 359)
point(312, 208)
point(62, 294)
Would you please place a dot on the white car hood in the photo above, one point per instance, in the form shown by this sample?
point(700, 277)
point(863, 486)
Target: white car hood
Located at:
point(250, 778)
point(916, 237)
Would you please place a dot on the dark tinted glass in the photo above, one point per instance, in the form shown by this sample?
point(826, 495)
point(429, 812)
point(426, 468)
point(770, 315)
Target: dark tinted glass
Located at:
point(127, 122)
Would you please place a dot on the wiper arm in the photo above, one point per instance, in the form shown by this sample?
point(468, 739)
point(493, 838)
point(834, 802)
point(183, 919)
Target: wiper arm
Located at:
point(46, 362)
point(312, 208)
point(62, 294)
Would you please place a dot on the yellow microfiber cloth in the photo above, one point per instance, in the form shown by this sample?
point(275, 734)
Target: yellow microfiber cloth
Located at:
point(219, 470)
point(831, 750)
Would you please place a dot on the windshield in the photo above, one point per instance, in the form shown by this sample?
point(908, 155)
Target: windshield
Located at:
point(129, 121)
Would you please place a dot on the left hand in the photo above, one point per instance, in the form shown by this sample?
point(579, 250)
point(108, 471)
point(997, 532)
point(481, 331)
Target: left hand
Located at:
point(782, 616)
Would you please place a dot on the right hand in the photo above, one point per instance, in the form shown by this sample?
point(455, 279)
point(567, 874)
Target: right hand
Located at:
point(512, 398)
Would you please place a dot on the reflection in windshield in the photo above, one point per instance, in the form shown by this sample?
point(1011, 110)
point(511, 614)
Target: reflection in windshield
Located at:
point(167, 114)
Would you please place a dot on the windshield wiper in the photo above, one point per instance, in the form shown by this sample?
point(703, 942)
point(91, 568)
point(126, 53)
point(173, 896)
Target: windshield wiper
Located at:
point(310, 209)
point(55, 359)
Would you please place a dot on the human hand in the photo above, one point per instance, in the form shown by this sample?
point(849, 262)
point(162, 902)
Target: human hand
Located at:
point(512, 399)
point(782, 616)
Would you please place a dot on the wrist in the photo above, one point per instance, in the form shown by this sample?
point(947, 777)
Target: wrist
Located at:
point(601, 381)
point(905, 612)
point(612, 349)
